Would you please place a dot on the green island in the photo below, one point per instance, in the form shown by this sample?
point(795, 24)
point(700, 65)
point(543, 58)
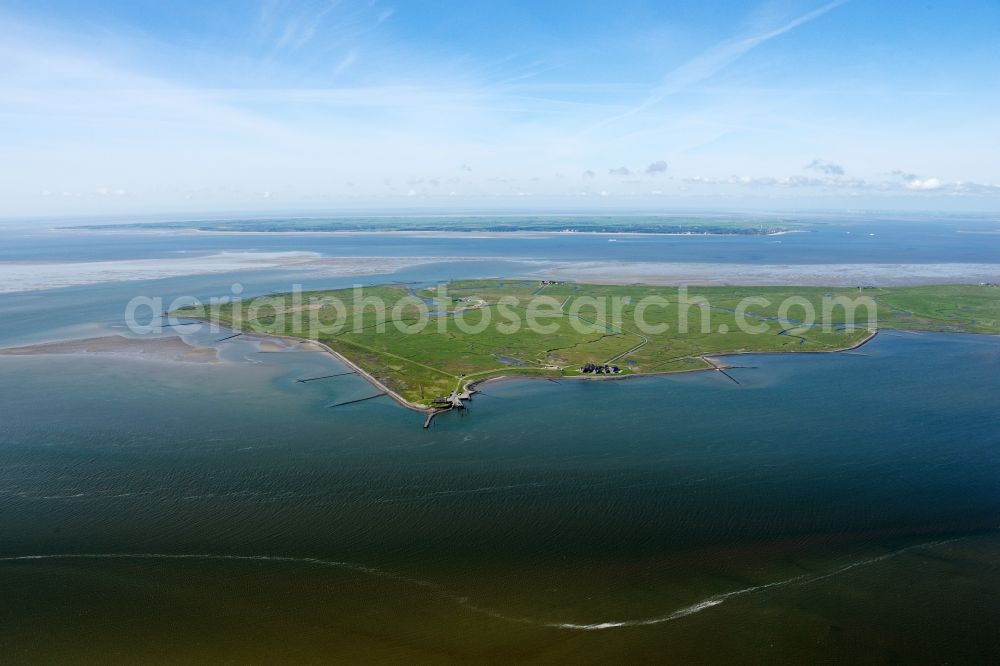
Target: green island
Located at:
point(726, 225)
point(417, 352)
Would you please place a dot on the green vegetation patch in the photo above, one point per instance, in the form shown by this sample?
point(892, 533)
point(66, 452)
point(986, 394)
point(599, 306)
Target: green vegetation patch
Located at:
point(424, 343)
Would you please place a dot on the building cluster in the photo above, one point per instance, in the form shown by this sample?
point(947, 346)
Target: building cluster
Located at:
point(597, 369)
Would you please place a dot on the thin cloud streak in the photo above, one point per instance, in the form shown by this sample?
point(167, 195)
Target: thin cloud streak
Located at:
point(712, 61)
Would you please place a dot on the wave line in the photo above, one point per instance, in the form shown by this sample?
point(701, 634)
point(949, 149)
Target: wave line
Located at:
point(697, 607)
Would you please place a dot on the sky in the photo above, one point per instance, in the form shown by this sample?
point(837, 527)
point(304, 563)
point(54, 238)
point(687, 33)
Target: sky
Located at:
point(144, 106)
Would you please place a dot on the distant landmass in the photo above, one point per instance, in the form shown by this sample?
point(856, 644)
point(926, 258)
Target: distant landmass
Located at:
point(487, 224)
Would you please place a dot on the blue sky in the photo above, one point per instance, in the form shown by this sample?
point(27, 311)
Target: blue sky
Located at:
point(151, 106)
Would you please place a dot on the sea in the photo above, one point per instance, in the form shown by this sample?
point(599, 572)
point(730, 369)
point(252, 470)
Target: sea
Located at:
point(828, 507)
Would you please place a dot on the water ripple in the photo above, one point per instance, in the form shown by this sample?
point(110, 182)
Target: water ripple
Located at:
point(697, 607)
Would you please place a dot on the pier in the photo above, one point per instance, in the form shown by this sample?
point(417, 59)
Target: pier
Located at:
point(313, 379)
point(719, 367)
point(351, 402)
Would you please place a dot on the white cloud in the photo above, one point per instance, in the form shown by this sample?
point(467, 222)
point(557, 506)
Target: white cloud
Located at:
point(923, 185)
point(902, 182)
point(110, 192)
point(824, 167)
point(659, 166)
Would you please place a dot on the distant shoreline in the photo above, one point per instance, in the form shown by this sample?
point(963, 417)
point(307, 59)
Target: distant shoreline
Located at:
point(430, 233)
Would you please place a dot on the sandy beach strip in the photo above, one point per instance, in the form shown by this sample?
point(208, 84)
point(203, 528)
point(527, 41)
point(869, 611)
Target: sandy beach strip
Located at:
point(724, 274)
point(32, 276)
point(172, 349)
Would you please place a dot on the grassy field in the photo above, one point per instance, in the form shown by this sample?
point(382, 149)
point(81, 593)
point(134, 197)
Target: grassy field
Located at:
point(425, 343)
